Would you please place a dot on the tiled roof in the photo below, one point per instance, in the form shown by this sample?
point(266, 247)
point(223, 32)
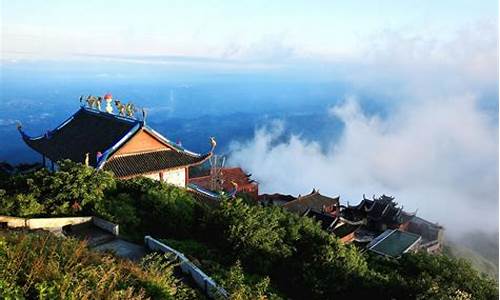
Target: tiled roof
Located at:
point(314, 201)
point(428, 230)
point(276, 197)
point(149, 162)
point(326, 221)
point(87, 131)
point(394, 243)
point(344, 230)
point(229, 174)
point(92, 131)
point(203, 196)
point(382, 209)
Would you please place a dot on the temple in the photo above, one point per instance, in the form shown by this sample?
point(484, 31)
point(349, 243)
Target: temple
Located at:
point(229, 179)
point(119, 143)
point(314, 202)
point(371, 219)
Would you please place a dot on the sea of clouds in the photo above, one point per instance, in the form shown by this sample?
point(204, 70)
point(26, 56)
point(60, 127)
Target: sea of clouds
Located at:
point(436, 150)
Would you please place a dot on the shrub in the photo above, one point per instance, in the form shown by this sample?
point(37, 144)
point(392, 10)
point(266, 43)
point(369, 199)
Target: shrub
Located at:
point(423, 276)
point(237, 285)
point(73, 189)
point(163, 210)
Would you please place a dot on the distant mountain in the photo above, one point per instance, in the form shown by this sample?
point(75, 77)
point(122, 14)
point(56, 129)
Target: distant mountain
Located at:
point(480, 248)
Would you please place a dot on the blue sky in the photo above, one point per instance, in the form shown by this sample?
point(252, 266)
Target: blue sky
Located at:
point(240, 30)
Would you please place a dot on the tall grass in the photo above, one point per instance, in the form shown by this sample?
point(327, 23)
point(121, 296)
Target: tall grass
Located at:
point(43, 266)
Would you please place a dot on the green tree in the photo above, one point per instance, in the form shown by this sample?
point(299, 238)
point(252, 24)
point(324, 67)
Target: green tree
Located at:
point(163, 210)
point(423, 276)
point(238, 288)
point(295, 252)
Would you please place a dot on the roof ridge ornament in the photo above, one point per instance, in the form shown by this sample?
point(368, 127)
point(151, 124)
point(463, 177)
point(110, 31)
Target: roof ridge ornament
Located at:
point(144, 115)
point(213, 142)
point(120, 107)
point(108, 98)
point(130, 109)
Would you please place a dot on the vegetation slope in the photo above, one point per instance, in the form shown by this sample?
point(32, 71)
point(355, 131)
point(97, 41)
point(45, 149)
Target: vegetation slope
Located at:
point(255, 252)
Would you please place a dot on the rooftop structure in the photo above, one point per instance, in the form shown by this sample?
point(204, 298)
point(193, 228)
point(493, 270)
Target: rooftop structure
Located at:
point(378, 214)
point(432, 234)
point(394, 243)
point(121, 144)
point(275, 199)
point(315, 202)
point(230, 179)
point(326, 221)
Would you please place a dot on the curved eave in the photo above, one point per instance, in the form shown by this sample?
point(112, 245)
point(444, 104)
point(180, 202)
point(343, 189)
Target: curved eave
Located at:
point(31, 142)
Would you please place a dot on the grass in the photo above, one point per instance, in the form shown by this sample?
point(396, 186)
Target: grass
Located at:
point(42, 266)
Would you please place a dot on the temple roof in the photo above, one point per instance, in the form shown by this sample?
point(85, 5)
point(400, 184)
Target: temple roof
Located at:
point(276, 197)
point(87, 131)
point(344, 229)
point(326, 221)
point(382, 209)
point(393, 243)
point(229, 175)
point(150, 162)
point(314, 201)
point(92, 131)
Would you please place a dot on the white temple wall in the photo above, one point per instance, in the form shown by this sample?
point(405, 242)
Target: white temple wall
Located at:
point(155, 176)
point(175, 176)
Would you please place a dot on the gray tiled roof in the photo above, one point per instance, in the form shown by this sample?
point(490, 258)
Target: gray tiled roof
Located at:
point(87, 131)
point(148, 162)
point(314, 201)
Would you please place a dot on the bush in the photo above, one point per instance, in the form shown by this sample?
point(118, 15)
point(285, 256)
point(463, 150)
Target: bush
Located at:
point(162, 210)
point(237, 285)
point(74, 189)
point(423, 276)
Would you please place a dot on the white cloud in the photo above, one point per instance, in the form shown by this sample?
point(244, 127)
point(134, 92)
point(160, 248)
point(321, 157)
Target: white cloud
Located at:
point(439, 157)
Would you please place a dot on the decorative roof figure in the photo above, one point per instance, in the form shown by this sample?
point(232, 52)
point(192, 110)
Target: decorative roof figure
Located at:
point(120, 107)
point(213, 142)
point(130, 109)
point(144, 115)
point(109, 99)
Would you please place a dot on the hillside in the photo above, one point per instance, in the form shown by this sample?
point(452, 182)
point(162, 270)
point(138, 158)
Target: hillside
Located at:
point(254, 252)
point(39, 265)
point(477, 260)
